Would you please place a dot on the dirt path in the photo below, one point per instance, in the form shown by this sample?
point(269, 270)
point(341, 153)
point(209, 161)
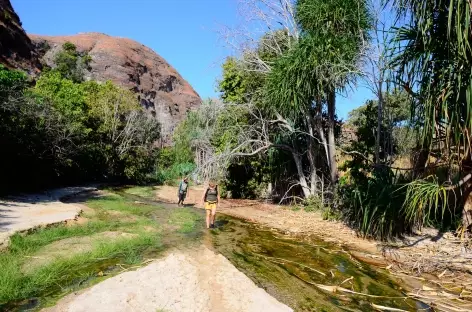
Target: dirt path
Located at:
point(22, 213)
point(194, 280)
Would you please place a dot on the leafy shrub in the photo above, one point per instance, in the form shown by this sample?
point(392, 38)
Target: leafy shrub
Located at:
point(61, 131)
point(70, 64)
point(373, 203)
point(331, 214)
point(69, 47)
point(313, 203)
point(171, 175)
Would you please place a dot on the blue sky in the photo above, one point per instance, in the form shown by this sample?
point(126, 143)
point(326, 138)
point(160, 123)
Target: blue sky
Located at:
point(184, 32)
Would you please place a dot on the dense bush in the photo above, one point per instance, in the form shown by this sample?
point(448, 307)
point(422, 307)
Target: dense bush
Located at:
point(70, 63)
point(62, 131)
point(371, 202)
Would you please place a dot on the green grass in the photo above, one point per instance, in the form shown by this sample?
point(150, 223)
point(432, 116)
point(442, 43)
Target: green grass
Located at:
point(112, 213)
point(118, 203)
point(42, 237)
point(144, 191)
point(15, 285)
point(185, 219)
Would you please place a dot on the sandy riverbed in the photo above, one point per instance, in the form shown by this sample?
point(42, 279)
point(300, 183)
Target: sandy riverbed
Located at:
point(191, 280)
point(25, 212)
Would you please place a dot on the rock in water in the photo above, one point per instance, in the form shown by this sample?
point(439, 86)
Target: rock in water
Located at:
point(16, 49)
point(161, 89)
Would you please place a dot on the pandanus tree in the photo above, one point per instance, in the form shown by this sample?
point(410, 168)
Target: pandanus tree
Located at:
point(309, 51)
point(434, 64)
point(325, 60)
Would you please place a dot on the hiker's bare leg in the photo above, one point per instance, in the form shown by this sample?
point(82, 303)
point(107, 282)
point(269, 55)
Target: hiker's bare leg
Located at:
point(213, 216)
point(208, 216)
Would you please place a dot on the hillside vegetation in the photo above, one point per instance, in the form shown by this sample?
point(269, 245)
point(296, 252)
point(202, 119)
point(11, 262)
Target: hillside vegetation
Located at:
point(61, 129)
point(275, 132)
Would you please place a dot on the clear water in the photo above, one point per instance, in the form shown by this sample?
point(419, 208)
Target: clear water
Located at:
point(293, 270)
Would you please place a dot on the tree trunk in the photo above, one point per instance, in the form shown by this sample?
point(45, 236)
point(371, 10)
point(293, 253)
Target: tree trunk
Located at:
point(379, 124)
point(301, 175)
point(311, 152)
point(331, 142)
point(318, 125)
point(419, 158)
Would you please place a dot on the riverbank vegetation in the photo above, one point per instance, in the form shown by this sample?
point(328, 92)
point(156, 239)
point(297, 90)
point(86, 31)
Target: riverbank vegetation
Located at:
point(113, 232)
point(62, 129)
point(398, 163)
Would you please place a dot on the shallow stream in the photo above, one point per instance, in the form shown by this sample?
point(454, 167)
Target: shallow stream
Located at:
point(301, 272)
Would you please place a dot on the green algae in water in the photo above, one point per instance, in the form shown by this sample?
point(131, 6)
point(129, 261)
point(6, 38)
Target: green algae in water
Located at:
point(285, 267)
point(289, 268)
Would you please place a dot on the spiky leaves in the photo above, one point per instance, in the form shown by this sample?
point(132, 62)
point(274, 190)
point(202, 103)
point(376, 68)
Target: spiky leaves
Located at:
point(434, 59)
point(434, 63)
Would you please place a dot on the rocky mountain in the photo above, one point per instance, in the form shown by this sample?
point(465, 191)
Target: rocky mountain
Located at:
point(16, 48)
point(161, 89)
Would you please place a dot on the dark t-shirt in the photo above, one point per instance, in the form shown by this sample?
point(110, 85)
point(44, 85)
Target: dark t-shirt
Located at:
point(211, 195)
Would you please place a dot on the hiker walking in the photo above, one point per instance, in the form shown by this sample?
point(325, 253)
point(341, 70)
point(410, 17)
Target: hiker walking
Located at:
point(211, 198)
point(183, 186)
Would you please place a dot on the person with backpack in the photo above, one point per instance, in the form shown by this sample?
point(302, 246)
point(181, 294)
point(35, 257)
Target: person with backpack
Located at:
point(211, 198)
point(183, 186)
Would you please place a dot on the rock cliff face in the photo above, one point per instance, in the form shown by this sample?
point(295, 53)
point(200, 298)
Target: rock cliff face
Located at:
point(16, 49)
point(162, 91)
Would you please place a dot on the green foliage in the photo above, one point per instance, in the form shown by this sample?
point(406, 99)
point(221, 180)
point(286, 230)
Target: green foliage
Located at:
point(342, 18)
point(430, 203)
point(372, 202)
point(233, 84)
point(397, 137)
point(61, 131)
point(247, 178)
point(67, 97)
point(175, 172)
point(69, 47)
point(183, 136)
point(324, 58)
point(67, 63)
point(12, 80)
point(313, 203)
point(371, 197)
point(243, 80)
point(433, 62)
point(227, 126)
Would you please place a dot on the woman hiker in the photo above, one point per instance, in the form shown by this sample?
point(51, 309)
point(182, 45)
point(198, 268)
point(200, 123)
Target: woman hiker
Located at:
point(183, 186)
point(211, 198)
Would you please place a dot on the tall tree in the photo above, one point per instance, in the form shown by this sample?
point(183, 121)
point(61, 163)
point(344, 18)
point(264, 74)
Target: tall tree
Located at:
point(325, 59)
point(309, 51)
point(434, 64)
